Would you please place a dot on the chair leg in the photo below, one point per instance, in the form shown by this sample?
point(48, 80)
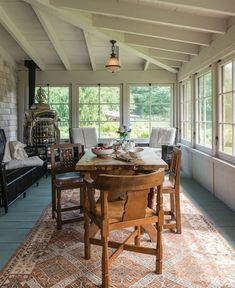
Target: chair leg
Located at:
point(159, 250)
point(105, 260)
point(172, 205)
point(58, 209)
point(53, 201)
point(178, 213)
point(159, 226)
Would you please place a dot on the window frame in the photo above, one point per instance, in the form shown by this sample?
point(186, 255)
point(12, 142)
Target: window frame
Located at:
point(198, 146)
point(98, 122)
point(47, 87)
point(184, 87)
point(127, 106)
point(222, 155)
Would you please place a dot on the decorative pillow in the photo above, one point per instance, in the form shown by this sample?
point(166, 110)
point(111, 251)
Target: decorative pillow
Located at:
point(7, 153)
point(17, 150)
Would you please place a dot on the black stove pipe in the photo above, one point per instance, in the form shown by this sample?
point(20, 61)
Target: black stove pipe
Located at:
point(31, 80)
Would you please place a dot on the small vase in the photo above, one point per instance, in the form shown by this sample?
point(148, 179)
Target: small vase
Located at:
point(123, 138)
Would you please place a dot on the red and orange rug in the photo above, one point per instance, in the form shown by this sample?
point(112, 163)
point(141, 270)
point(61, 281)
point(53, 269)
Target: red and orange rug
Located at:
point(197, 258)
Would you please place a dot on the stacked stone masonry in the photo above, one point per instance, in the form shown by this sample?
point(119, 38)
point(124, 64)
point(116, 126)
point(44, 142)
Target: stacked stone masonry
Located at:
point(8, 99)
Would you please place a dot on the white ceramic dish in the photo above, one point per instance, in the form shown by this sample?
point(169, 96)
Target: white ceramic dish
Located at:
point(136, 152)
point(102, 152)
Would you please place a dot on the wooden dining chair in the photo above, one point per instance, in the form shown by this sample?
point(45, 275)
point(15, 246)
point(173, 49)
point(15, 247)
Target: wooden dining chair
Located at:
point(64, 177)
point(171, 186)
point(133, 211)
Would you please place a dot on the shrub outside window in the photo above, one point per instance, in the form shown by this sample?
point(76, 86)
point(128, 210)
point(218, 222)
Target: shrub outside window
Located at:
point(150, 106)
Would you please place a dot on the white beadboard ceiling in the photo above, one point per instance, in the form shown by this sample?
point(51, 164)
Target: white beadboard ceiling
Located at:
point(76, 33)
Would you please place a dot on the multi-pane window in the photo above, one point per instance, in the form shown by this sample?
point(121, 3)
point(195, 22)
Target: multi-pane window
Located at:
point(150, 106)
point(186, 111)
point(227, 109)
point(99, 107)
point(58, 99)
point(204, 110)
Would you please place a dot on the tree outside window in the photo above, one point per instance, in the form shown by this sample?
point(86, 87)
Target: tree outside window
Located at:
point(150, 106)
point(99, 107)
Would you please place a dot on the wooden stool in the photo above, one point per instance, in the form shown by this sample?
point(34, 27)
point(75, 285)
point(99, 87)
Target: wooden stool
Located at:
point(171, 186)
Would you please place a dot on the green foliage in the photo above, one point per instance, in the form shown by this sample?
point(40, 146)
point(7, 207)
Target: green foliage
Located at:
point(152, 100)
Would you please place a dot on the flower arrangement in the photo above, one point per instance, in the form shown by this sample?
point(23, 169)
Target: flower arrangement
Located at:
point(123, 131)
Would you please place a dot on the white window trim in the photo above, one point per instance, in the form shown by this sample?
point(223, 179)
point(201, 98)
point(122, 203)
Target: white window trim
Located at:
point(200, 147)
point(101, 85)
point(127, 104)
point(221, 154)
point(45, 85)
point(182, 140)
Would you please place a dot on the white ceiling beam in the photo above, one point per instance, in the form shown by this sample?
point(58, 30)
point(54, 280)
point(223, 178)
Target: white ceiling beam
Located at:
point(15, 32)
point(146, 13)
point(226, 7)
point(151, 30)
point(172, 63)
point(45, 21)
point(168, 55)
point(146, 65)
point(89, 49)
point(84, 22)
point(163, 44)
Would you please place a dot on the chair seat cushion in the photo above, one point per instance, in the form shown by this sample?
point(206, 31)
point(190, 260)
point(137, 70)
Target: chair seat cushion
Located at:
point(68, 175)
point(68, 180)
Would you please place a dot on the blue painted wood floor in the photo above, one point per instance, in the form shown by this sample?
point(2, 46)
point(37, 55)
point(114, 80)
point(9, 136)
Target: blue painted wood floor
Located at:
point(24, 212)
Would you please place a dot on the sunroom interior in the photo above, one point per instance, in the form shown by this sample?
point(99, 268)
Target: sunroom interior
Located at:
point(177, 69)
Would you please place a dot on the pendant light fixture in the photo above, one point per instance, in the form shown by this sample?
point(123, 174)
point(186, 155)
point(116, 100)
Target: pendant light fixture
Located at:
point(112, 64)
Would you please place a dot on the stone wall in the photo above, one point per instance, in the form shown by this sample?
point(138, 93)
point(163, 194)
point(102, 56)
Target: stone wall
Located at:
point(8, 99)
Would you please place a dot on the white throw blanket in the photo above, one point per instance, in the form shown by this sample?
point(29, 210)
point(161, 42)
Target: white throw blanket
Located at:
point(26, 162)
point(16, 157)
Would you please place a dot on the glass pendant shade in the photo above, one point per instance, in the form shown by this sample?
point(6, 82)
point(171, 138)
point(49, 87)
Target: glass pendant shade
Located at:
point(112, 64)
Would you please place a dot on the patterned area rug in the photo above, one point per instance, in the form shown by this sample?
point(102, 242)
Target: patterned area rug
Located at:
point(197, 258)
